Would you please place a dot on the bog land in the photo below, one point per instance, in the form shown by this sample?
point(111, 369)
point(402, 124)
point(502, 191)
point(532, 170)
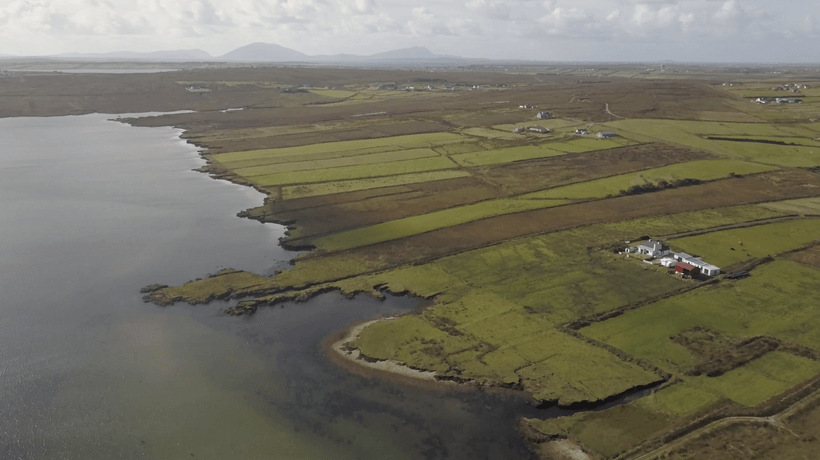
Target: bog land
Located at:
point(523, 240)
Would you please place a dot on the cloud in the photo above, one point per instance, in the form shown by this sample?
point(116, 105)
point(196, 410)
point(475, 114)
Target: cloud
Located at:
point(359, 25)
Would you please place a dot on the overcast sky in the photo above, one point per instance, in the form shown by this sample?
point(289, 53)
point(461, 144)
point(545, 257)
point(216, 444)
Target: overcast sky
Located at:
point(617, 30)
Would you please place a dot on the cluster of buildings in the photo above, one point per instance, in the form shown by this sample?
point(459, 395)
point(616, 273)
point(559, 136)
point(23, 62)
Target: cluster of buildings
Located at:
point(682, 262)
point(535, 129)
point(793, 87)
point(778, 100)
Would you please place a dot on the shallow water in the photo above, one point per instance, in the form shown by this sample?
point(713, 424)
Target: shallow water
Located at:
point(90, 211)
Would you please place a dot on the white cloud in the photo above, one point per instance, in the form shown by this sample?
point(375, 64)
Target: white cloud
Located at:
point(474, 28)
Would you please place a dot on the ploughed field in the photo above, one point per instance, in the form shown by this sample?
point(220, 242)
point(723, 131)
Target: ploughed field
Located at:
point(519, 241)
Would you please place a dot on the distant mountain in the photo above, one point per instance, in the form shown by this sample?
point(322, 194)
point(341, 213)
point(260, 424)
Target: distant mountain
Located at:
point(270, 52)
point(173, 55)
point(416, 52)
point(267, 52)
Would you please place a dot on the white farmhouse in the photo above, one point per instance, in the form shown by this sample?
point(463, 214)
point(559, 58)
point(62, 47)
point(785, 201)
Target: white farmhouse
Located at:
point(653, 248)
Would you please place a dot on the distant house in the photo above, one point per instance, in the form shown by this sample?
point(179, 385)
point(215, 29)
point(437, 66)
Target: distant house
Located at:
point(538, 129)
point(526, 106)
point(582, 131)
point(653, 248)
point(542, 115)
point(519, 129)
point(606, 134)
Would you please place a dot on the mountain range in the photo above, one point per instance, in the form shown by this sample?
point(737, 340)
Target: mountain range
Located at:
point(264, 52)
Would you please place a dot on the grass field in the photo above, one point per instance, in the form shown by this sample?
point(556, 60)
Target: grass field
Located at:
point(496, 156)
point(357, 160)
point(761, 379)
point(694, 133)
point(678, 400)
point(426, 222)
point(804, 206)
point(349, 264)
point(552, 123)
point(778, 300)
point(727, 247)
point(365, 146)
point(354, 172)
point(338, 93)
point(329, 188)
point(702, 170)
point(493, 133)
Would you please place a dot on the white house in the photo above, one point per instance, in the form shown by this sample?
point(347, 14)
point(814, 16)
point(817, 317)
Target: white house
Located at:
point(538, 129)
point(542, 115)
point(653, 248)
point(581, 131)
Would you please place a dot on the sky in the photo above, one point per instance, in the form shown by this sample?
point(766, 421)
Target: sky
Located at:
point(759, 31)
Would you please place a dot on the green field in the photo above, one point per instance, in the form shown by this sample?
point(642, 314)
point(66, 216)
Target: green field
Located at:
point(551, 123)
point(496, 156)
point(609, 432)
point(358, 160)
point(779, 300)
point(367, 146)
point(345, 264)
point(727, 247)
point(694, 134)
point(329, 188)
point(761, 379)
point(679, 400)
point(493, 133)
point(701, 170)
point(333, 92)
point(414, 225)
point(354, 172)
point(803, 206)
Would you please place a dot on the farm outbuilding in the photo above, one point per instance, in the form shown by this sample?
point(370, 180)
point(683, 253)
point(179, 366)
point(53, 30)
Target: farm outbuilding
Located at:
point(606, 134)
point(686, 269)
point(703, 267)
point(542, 115)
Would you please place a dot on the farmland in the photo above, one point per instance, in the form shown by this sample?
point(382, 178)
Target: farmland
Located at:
point(699, 170)
point(514, 239)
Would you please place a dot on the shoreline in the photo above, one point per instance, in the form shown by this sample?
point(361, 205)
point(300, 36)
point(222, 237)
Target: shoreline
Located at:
point(334, 347)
